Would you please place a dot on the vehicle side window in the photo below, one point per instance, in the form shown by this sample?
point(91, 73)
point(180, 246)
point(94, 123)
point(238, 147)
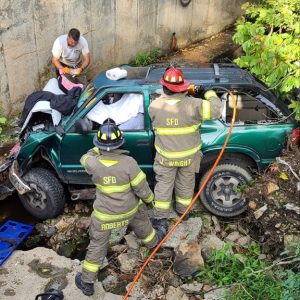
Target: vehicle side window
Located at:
point(249, 109)
point(126, 109)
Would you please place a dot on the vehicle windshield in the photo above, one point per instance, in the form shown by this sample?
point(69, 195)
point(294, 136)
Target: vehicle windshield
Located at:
point(87, 92)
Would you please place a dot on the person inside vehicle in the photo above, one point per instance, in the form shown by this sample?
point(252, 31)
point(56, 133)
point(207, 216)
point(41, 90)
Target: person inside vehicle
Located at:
point(71, 53)
point(126, 109)
point(121, 194)
point(176, 118)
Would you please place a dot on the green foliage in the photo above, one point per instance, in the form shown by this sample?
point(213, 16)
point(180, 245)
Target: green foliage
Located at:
point(146, 58)
point(269, 35)
point(291, 279)
point(244, 275)
point(3, 125)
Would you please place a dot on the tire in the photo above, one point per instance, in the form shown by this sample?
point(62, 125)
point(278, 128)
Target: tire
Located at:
point(220, 195)
point(185, 2)
point(47, 198)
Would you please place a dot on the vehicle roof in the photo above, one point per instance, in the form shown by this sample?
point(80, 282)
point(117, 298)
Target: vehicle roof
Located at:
point(200, 74)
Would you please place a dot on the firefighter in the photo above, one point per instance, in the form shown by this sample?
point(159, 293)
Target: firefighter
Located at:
point(121, 194)
point(176, 119)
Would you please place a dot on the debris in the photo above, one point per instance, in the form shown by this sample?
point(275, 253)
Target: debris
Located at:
point(258, 213)
point(188, 259)
point(281, 161)
point(252, 205)
point(291, 206)
point(272, 187)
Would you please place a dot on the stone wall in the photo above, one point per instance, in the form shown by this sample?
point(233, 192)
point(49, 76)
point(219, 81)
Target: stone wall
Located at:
point(115, 29)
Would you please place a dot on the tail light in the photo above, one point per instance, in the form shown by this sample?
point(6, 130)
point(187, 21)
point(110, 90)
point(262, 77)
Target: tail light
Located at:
point(296, 136)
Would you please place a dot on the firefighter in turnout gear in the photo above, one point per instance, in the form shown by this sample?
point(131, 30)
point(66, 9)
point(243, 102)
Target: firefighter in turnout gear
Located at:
point(121, 194)
point(176, 119)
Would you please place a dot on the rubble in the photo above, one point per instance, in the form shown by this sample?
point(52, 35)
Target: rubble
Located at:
point(274, 203)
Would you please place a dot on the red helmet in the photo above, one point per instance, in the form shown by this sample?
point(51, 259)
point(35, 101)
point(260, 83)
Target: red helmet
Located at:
point(173, 79)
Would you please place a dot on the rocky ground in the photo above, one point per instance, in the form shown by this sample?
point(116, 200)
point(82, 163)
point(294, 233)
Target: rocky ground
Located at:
point(272, 220)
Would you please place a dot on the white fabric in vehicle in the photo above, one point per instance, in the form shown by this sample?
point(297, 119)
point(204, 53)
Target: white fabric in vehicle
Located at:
point(53, 87)
point(136, 123)
point(44, 106)
point(121, 111)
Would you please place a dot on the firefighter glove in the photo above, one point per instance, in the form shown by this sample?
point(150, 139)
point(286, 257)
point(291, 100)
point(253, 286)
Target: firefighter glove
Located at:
point(77, 71)
point(200, 91)
point(65, 70)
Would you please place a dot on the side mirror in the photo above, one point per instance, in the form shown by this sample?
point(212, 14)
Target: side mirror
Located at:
point(83, 126)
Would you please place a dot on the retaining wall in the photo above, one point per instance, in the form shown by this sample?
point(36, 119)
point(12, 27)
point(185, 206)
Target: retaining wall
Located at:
point(116, 31)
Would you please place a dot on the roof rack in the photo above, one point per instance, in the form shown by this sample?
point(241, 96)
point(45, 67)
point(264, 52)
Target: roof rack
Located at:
point(217, 72)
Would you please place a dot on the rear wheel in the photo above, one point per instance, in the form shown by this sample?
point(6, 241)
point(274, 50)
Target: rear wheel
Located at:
point(46, 199)
point(222, 194)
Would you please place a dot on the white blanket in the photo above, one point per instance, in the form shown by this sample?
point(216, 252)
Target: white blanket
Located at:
point(121, 111)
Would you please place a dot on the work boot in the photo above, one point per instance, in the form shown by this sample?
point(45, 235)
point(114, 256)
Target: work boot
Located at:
point(86, 288)
point(161, 232)
point(160, 224)
point(186, 217)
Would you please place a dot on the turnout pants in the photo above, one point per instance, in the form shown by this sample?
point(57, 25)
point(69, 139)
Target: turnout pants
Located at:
point(179, 179)
point(99, 240)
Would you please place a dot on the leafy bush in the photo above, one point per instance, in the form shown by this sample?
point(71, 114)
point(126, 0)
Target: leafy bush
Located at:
point(146, 58)
point(269, 35)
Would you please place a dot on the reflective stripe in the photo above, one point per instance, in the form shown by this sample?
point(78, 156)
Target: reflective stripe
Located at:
point(177, 131)
point(95, 149)
point(107, 162)
point(149, 199)
point(171, 101)
point(137, 180)
point(205, 110)
point(150, 237)
point(107, 217)
point(90, 267)
point(162, 204)
point(179, 154)
point(209, 94)
point(184, 201)
point(110, 189)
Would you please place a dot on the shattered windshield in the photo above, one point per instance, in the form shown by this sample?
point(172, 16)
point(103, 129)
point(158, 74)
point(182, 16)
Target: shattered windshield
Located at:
point(87, 92)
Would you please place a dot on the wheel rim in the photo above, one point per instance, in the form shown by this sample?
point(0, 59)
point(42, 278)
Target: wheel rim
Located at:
point(36, 198)
point(225, 191)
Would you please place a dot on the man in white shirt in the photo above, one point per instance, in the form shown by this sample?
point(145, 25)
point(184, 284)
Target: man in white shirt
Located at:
point(71, 53)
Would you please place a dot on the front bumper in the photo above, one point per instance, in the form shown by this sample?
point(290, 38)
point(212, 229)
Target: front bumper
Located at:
point(16, 180)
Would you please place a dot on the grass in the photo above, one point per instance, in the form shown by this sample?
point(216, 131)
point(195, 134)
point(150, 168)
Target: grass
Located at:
point(246, 277)
point(147, 58)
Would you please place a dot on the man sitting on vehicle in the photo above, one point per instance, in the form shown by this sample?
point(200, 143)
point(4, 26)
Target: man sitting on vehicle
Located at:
point(127, 110)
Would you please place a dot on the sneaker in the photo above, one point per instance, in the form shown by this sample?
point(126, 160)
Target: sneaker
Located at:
point(86, 288)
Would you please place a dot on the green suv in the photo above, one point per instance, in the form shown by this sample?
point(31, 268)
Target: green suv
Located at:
point(45, 169)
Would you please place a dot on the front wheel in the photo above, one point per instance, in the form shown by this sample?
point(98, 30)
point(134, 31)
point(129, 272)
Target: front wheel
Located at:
point(46, 199)
point(222, 195)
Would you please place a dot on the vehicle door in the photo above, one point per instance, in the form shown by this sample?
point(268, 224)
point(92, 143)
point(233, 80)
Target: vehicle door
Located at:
point(138, 137)
point(260, 127)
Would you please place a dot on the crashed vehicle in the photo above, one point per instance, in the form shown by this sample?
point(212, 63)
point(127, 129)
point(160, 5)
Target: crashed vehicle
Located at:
point(45, 169)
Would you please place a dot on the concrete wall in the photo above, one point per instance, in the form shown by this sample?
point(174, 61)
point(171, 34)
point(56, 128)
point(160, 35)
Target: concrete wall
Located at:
point(115, 29)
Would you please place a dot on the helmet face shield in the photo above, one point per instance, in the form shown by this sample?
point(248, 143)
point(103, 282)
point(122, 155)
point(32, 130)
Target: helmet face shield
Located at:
point(173, 79)
point(109, 136)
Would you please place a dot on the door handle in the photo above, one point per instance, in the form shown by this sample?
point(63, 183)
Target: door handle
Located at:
point(143, 142)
